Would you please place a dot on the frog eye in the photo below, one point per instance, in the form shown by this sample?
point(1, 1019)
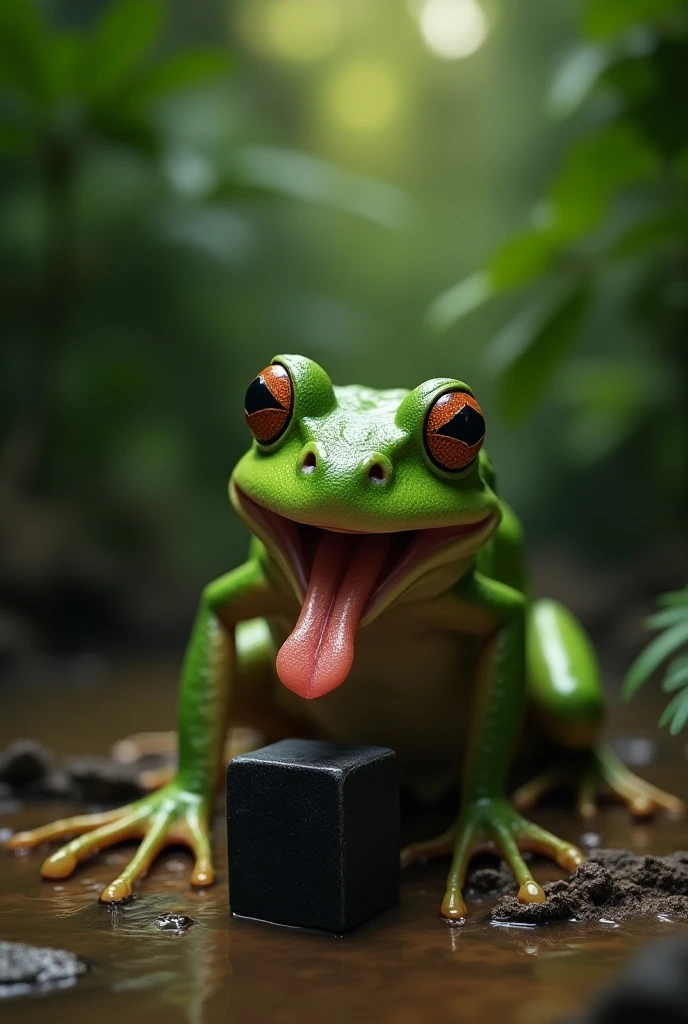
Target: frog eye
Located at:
point(454, 430)
point(268, 403)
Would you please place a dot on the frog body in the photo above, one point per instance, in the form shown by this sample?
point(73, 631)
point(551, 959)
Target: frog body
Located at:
point(380, 701)
point(385, 600)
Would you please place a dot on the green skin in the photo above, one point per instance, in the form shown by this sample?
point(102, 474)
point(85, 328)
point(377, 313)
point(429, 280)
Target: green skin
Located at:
point(444, 668)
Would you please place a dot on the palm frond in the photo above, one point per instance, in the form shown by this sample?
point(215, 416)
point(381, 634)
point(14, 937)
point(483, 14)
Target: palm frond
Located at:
point(668, 648)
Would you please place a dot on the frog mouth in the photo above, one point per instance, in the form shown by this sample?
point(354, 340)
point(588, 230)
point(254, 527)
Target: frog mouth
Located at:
point(344, 578)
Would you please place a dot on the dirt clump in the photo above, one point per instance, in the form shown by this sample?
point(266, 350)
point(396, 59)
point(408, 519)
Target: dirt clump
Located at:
point(493, 879)
point(613, 885)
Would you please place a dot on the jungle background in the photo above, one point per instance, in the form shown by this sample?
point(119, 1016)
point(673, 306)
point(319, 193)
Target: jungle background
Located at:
point(399, 190)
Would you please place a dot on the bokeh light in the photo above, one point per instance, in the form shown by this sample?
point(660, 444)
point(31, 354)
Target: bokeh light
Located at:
point(364, 96)
point(453, 29)
point(293, 30)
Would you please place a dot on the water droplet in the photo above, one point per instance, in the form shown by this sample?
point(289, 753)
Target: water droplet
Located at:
point(590, 839)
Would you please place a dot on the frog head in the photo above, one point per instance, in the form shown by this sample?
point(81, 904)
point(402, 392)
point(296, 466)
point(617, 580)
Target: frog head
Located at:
point(358, 495)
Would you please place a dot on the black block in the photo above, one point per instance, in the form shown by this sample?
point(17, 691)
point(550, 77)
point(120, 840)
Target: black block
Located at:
point(313, 833)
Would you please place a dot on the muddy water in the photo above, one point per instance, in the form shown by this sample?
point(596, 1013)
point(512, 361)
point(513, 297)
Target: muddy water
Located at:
point(402, 968)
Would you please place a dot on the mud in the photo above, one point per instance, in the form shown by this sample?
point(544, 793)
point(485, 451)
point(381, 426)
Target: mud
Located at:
point(490, 879)
point(402, 967)
point(612, 886)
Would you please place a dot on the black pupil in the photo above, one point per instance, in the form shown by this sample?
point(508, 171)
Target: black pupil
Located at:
point(259, 396)
point(466, 425)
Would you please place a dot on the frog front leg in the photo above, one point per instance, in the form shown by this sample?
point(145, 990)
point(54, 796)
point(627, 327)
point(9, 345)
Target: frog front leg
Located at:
point(487, 821)
point(180, 811)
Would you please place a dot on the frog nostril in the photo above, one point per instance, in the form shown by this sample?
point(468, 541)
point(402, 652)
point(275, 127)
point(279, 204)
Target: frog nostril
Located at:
point(377, 473)
point(309, 463)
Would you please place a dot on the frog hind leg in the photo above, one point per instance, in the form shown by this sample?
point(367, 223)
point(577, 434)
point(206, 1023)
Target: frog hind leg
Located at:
point(566, 690)
point(255, 672)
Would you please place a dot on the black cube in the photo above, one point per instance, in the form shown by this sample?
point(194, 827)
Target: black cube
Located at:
point(313, 833)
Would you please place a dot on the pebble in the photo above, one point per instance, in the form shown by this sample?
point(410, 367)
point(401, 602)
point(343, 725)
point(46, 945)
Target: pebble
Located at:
point(174, 924)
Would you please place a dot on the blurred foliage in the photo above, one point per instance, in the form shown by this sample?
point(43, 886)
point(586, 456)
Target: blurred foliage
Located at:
point(668, 650)
point(601, 328)
point(127, 180)
point(187, 189)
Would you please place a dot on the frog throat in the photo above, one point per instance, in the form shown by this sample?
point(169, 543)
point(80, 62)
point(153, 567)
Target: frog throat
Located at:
point(343, 579)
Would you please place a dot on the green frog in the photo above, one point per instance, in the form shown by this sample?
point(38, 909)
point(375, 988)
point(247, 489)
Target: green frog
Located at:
point(384, 600)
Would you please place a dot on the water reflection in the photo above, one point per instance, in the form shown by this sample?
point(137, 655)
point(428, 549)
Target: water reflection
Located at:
point(403, 967)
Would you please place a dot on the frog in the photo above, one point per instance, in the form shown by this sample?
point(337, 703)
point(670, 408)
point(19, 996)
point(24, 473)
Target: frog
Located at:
point(385, 599)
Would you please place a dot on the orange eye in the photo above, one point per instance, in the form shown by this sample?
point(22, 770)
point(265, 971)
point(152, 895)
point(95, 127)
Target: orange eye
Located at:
point(268, 403)
point(454, 430)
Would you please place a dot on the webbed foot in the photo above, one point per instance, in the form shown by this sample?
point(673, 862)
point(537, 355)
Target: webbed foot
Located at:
point(170, 816)
point(492, 825)
point(599, 769)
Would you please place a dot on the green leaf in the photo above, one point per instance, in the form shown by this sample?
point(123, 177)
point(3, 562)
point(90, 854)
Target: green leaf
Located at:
point(522, 259)
point(135, 133)
point(608, 398)
point(595, 434)
point(656, 652)
point(65, 59)
point(676, 712)
point(652, 234)
point(24, 49)
point(300, 176)
point(528, 352)
point(518, 262)
point(181, 71)
point(674, 597)
point(215, 230)
point(634, 75)
point(14, 139)
point(124, 36)
point(676, 674)
point(576, 76)
point(459, 301)
point(607, 18)
point(667, 617)
point(594, 171)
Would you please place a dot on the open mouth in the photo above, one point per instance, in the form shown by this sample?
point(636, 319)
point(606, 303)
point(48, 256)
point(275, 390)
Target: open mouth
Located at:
point(343, 577)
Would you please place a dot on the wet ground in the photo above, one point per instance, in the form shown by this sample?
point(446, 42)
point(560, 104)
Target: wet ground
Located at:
point(405, 966)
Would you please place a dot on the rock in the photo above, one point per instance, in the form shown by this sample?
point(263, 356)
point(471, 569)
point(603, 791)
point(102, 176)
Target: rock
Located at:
point(24, 763)
point(25, 968)
point(102, 781)
point(175, 924)
point(613, 885)
point(652, 987)
point(57, 785)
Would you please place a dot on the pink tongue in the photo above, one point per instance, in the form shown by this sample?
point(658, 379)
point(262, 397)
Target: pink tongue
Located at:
point(318, 655)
